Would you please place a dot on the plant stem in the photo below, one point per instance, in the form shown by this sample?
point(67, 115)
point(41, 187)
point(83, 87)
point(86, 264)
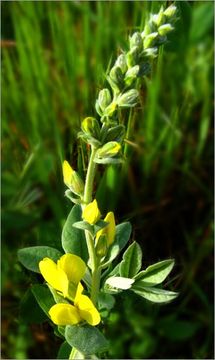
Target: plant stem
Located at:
point(94, 261)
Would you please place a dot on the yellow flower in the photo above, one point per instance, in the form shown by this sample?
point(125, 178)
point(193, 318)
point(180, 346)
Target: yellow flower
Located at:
point(72, 179)
point(91, 213)
point(67, 173)
point(65, 275)
point(83, 309)
point(109, 230)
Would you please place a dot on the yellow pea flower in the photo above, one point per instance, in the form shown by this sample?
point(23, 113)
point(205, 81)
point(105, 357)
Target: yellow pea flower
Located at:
point(65, 275)
point(91, 213)
point(109, 230)
point(72, 179)
point(83, 309)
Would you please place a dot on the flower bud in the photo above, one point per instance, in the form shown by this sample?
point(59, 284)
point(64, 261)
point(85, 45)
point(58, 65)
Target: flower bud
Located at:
point(158, 19)
point(165, 29)
point(121, 62)
point(90, 126)
point(110, 149)
point(72, 179)
point(136, 41)
point(131, 75)
point(170, 11)
point(132, 57)
point(128, 99)
point(151, 52)
point(91, 213)
point(150, 40)
point(110, 109)
point(116, 76)
point(109, 230)
point(104, 99)
point(115, 133)
point(101, 246)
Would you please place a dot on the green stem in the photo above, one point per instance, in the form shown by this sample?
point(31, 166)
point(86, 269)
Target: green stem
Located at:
point(94, 261)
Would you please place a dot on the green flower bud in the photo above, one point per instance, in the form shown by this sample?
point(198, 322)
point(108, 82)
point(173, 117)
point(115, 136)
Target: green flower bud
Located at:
point(170, 11)
point(115, 133)
point(121, 62)
point(116, 79)
point(101, 246)
point(128, 99)
point(151, 52)
point(165, 29)
point(90, 126)
point(150, 40)
point(109, 111)
point(132, 57)
point(104, 99)
point(110, 149)
point(131, 74)
point(136, 40)
point(159, 18)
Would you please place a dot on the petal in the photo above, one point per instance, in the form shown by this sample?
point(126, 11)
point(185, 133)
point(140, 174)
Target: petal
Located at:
point(91, 213)
point(111, 228)
point(87, 310)
point(64, 314)
point(54, 276)
point(67, 173)
point(73, 266)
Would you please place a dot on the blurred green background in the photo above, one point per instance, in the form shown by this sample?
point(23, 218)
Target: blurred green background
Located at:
point(54, 58)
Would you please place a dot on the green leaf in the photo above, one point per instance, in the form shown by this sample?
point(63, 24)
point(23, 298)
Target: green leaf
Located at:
point(132, 261)
point(87, 339)
point(155, 274)
point(154, 294)
point(64, 351)
point(83, 225)
point(73, 240)
point(108, 160)
point(31, 256)
point(177, 329)
point(28, 303)
point(43, 297)
point(105, 301)
point(123, 232)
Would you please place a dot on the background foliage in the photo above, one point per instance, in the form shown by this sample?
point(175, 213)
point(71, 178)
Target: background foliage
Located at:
point(54, 58)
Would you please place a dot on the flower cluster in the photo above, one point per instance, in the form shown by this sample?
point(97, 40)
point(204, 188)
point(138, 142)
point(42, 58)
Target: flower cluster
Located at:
point(64, 276)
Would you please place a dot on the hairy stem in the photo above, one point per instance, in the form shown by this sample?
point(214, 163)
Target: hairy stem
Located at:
point(94, 261)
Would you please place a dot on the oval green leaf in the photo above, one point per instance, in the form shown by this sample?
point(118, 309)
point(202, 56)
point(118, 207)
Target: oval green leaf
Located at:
point(154, 294)
point(73, 239)
point(132, 261)
point(155, 274)
point(31, 256)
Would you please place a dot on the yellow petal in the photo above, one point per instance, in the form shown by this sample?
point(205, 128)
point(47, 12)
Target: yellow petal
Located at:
point(87, 310)
point(73, 266)
point(109, 230)
point(54, 276)
point(91, 213)
point(67, 173)
point(64, 314)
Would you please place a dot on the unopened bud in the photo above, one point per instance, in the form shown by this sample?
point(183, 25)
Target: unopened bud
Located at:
point(131, 74)
point(109, 230)
point(101, 246)
point(115, 133)
point(157, 19)
point(132, 57)
point(136, 40)
point(151, 52)
point(150, 39)
point(110, 149)
point(121, 62)
point(91, 213)
point(165, 29)
point(110, 109)
point(90, 126)
point(128, 99)
point(72, 179)
point(104, 99)
point(170, 11)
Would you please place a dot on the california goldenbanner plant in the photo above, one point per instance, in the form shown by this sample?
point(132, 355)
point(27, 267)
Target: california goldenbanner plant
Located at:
point(81, 284)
